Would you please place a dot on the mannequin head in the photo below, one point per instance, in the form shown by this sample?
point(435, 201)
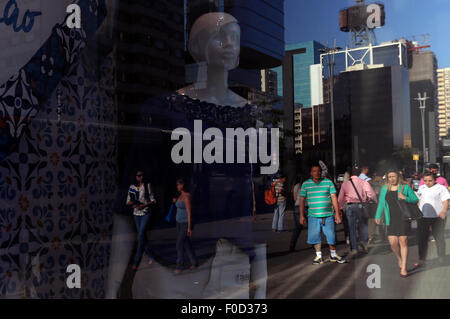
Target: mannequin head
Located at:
point(215, 39)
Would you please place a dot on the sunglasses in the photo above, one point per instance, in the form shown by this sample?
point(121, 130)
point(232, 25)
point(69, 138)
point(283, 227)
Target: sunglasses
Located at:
point(139, 175)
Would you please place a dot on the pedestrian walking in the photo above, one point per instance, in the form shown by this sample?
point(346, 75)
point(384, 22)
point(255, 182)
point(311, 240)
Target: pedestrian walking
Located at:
point(433, 202)
point(320, 194)
point(364, 173)
point(352, 193)
point(434, 168)
point(398, 229)
point(298, 227)
point(141, 197)
point(376, 231)
point(371, 226)
point(280, 206)
point(184, 227)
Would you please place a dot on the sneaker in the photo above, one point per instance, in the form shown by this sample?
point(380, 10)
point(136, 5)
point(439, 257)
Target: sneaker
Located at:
point(338, 259)
point(318, 261)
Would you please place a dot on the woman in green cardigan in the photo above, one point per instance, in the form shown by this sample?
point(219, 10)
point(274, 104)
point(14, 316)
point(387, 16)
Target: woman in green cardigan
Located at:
point(388, 209)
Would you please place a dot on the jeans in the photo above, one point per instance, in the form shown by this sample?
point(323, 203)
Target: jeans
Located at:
point(298, 227)
point(356, 221)
point(184, 244)
point(278, 216)
point(141, 226)
point(423, 232)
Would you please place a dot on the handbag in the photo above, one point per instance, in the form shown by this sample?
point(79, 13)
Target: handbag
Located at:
point(368, 208)
point(410, 211)
point(171, 214)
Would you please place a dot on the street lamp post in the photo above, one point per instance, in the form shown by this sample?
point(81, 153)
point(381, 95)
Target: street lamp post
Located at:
point(330, 63)
point(422, 107)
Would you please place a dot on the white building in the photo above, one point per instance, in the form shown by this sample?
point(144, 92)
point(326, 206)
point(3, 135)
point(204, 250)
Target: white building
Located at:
point(443, 81)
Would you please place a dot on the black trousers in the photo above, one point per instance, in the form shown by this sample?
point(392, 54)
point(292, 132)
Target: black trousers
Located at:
point(423, 233)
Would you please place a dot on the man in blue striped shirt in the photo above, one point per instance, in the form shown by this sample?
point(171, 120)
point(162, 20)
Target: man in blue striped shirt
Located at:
point(320, 195)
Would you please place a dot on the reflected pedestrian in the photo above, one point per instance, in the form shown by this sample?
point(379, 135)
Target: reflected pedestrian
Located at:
point(298, 227)
point(398, 229)
point(434, 168)
point(364, 173)
point(280, 206)
point(433, 202)
point(184, 227)
point(320, 194)
point(352, 193)
point(141, 197)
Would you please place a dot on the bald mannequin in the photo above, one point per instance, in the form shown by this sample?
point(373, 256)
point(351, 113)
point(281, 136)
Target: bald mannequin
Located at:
point(214, 43)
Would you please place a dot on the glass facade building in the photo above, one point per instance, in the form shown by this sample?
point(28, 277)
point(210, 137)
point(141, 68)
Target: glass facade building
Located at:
point(303, 55)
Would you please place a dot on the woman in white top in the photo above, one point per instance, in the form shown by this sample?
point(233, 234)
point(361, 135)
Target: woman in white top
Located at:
point(433, 204)
point(140, 196)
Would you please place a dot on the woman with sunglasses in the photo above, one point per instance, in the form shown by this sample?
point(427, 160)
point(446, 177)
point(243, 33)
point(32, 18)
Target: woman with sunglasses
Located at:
point(140, 196)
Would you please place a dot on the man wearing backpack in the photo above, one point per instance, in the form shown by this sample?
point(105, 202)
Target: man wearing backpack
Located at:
point(280, 206)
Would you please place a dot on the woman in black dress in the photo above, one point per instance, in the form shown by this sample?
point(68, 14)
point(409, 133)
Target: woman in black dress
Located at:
point(398, 229)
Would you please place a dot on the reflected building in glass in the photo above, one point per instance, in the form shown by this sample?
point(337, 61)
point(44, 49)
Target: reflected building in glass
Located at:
point(372, 102)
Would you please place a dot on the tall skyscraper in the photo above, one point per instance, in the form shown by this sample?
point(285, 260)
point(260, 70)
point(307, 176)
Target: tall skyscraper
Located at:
point(371, 103)
point(423, 79)
point(150, 52)
point(443, 96)
point(301, 56)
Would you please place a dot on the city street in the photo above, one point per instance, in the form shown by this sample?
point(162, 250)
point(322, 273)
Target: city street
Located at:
point(292, 275)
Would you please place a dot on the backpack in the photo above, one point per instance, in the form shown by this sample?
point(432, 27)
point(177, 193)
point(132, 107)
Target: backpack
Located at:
point(269, 196)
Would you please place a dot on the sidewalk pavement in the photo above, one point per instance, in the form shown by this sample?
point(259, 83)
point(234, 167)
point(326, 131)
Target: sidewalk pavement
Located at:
point(292, 274)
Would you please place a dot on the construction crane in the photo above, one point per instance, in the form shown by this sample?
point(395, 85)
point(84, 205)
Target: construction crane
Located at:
point(418, 42)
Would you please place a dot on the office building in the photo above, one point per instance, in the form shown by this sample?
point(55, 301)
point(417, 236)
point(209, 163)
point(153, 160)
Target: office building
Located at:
point(294, 80)
point(443, 96)
point(372, 113)
point(298, 131)
point(301, 56)
point(150, 52)
point(269, 81)
point(371, 102)
point(423, 80)
point(312, 127)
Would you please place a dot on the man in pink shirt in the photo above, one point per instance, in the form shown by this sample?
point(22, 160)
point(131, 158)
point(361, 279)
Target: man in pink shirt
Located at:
point(349, 198)
point(440, 180)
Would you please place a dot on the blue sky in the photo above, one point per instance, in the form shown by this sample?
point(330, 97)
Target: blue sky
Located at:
point(319, 20)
